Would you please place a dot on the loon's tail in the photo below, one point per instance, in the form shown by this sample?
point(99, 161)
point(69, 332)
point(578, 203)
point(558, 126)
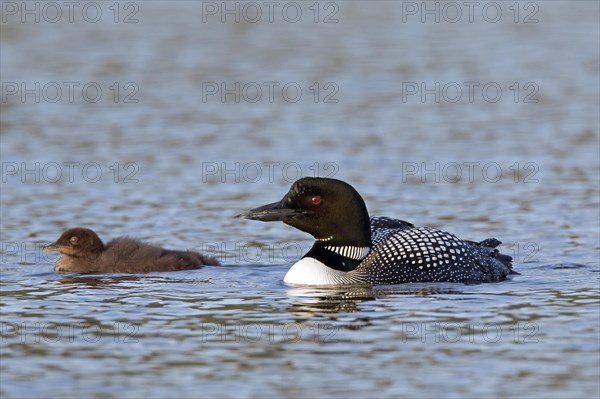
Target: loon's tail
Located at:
point(492, 243)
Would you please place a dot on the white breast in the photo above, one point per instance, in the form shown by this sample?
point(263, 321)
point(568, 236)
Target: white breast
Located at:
point(309, 271)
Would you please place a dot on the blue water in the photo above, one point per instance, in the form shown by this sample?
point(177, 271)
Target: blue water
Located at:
point(186, 135)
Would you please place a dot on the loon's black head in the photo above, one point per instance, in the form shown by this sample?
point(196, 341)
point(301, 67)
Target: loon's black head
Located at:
point(330, 210)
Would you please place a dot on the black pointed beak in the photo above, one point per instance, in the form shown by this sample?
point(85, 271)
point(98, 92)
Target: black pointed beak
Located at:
point(275, 212)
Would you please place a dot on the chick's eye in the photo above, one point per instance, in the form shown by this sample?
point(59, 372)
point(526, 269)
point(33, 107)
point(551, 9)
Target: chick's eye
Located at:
point(74, 240)
point(316, 199)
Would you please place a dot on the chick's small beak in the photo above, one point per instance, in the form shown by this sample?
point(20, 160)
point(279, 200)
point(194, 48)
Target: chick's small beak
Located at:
point(270, 213)
point(50, 247)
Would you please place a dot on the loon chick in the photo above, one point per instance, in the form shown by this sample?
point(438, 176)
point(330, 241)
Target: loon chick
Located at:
point(351, 248)
point(84, 252)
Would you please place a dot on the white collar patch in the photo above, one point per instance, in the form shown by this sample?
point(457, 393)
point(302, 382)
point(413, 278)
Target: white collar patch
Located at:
point(309, 271)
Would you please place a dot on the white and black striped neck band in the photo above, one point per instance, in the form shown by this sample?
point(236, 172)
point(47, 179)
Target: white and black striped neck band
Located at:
point(356, 253)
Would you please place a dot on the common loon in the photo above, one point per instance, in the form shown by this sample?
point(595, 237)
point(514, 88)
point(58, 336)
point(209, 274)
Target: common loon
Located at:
point(84, 252)
point(351, 248)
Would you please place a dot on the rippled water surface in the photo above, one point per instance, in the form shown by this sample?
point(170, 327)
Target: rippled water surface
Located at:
point(181, 140)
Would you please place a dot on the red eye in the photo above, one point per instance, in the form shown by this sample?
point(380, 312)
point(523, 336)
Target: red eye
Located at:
point(316, 199)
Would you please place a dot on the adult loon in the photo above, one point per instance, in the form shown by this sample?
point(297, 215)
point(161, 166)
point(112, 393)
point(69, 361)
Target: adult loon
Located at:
point(84, 252)
point(351, 248)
